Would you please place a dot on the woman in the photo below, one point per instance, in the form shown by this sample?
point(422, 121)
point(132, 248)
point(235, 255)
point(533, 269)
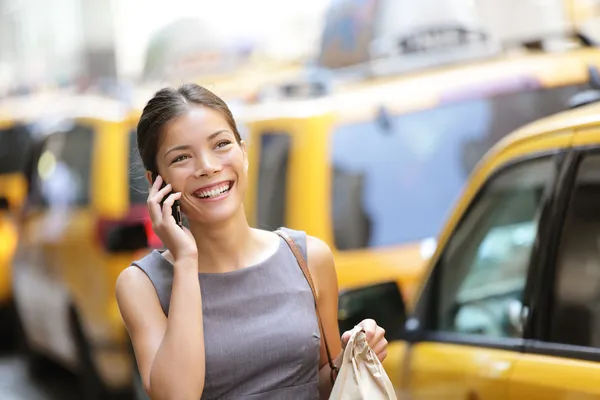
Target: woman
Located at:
point(241, 316)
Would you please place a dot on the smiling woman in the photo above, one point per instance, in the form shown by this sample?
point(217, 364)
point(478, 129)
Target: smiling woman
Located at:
point(226, 311)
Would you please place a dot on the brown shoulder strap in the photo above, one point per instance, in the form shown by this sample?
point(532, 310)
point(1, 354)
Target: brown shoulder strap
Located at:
point(304, 267)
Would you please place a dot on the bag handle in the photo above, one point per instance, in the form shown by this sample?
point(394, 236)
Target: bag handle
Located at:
point(304, 267)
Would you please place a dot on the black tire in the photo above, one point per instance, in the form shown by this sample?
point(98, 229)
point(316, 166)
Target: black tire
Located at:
point(38, 365)
point(92, 387)
point(9, 332)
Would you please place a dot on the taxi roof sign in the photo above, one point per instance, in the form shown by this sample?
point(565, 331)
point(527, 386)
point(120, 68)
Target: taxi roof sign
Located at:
point(431, 32)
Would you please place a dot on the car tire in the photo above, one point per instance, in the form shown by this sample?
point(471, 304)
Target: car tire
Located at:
point(9, 333)
point(92, 387)
point(38, 365)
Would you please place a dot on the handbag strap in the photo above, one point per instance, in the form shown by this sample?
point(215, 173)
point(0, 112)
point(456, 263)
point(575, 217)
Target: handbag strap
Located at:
point(304, 267)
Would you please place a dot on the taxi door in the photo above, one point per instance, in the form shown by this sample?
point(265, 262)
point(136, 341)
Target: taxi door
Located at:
point(466, 333)
point(50, 236)
point(563, 358)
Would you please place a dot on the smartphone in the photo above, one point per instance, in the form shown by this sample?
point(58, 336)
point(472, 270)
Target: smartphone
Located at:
point(176, 209)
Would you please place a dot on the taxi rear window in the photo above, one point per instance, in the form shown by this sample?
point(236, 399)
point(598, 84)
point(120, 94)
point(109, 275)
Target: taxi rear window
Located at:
point(15, 144)
point(396, 178)
point(273, 169)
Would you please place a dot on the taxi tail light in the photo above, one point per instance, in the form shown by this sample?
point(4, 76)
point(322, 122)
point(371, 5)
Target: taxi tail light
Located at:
point(128, 234)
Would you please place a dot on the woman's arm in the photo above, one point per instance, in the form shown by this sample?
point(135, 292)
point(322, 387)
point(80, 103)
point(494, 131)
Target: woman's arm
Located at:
point(322, 269)
point(169, 351)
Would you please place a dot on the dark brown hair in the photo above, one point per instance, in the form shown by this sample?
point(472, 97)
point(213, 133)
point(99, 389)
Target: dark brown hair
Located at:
point(170, 103)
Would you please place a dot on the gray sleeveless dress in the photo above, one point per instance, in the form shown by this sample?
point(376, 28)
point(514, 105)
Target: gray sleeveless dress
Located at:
point(261, 333)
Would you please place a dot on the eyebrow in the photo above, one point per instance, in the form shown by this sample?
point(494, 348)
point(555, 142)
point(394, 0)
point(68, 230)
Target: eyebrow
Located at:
point(187, 146)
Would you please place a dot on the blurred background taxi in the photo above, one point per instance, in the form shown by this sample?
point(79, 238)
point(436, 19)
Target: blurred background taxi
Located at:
point(370, 124)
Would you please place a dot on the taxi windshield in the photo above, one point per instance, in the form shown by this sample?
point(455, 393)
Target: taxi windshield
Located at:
point(395, 182)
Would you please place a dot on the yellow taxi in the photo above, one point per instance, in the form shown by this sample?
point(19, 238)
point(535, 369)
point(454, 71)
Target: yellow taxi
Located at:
point(84, 220)
point(508, 308)
point(20, 127)
point(12, 190)
point(348, 167)
point(373, 166)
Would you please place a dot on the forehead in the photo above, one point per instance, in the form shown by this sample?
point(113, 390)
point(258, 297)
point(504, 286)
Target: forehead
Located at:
point(196, 121)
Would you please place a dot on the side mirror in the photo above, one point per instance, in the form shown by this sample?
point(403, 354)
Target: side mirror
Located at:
point(588, 96)
point(584, 98)
point(382, 302)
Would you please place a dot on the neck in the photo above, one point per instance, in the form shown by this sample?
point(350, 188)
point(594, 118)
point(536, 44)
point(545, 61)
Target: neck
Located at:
point(222, 248)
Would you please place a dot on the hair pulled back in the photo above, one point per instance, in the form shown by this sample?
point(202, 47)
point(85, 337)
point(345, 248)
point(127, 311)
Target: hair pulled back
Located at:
point(168, 104)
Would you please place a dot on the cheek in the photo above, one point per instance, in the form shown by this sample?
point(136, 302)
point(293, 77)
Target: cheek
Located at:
point(178, 177)
point(236, 161)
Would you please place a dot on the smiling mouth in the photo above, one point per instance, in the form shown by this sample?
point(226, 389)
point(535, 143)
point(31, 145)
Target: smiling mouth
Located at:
point(215, 191)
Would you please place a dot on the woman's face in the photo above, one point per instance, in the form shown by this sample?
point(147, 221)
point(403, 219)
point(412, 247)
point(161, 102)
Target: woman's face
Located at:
point(200, 157)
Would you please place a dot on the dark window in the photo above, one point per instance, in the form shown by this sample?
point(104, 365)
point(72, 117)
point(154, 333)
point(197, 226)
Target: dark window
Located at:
point(483, 270)
point(138, 184)
point(16, 143)
point(273, 169)
point(576, 314)
point(396, 178)
point(63, 169)
point(381, 302)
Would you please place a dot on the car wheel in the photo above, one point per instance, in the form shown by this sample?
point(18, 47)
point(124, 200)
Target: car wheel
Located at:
point(92, 386)
point(38, 365)
point(8, 330)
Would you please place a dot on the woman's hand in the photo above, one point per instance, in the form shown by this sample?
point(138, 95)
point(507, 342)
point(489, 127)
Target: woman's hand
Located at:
point(180, 242)
point(375, 338)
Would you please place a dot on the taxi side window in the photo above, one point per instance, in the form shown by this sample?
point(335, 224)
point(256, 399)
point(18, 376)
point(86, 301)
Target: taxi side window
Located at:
point(272, 179)
point(15, 144)
point(576, 314)
point(63, 170)
point(483, 271)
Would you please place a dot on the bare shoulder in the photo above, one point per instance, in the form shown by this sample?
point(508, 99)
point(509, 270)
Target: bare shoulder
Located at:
point(131, 279)
point(321, 264)
point(136, 296)
point(319, 253)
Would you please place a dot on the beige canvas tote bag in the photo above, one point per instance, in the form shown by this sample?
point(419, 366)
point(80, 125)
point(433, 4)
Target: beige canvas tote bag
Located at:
point(361, 375)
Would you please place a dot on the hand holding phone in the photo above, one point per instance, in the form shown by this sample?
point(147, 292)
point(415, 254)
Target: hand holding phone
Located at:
point(179, 241)
point(176, 208)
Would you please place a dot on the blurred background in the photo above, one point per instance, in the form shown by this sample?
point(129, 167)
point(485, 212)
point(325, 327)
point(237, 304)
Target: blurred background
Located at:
point(374, 112)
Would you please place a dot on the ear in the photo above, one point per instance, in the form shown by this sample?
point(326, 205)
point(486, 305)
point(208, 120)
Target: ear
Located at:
point(149, 177)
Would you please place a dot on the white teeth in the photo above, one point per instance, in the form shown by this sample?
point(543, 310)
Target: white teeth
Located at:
point(214, 192)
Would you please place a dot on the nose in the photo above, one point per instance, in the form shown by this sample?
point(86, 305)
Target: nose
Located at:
point(207, 165)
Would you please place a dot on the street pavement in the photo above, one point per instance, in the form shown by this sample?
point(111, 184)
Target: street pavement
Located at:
point(16, 383)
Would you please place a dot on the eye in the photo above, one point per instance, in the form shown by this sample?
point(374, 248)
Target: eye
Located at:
point(179, 158)
point(223, 143)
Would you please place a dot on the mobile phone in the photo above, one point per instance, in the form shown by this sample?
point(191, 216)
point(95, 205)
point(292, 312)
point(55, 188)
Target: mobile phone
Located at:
point(176, 208)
